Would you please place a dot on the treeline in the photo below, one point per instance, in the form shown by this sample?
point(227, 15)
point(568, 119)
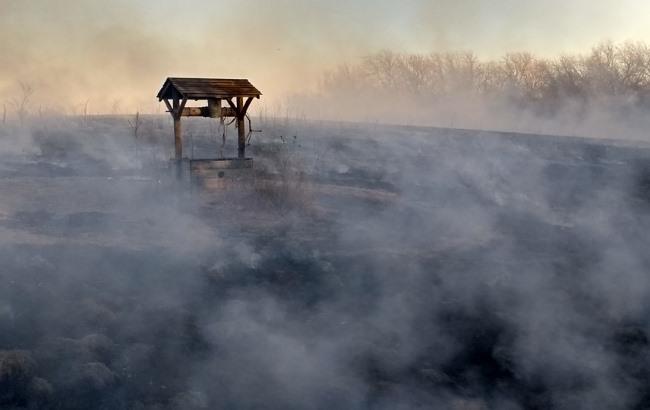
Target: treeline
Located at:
point(609, 70)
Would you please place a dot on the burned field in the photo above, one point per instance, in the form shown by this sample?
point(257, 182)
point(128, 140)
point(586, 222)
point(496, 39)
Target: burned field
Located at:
point(362, 266)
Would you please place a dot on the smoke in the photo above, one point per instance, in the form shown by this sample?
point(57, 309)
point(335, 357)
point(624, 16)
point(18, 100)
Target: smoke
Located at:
point(603, 93)
point(398, 267)
point(121, 52)
point(363, 265)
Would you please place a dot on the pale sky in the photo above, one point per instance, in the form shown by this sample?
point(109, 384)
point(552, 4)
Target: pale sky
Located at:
point(121, 50)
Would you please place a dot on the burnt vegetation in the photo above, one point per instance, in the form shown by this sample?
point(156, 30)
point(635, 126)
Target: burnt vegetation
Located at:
point(364, 267)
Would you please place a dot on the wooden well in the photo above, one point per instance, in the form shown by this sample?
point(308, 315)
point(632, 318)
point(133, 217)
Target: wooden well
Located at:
point(224, 98)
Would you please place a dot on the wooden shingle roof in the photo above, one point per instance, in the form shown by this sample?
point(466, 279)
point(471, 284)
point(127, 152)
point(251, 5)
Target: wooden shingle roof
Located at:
point(204, 88)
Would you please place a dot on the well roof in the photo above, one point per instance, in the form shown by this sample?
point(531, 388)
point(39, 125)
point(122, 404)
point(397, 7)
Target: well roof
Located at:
point(204, 88)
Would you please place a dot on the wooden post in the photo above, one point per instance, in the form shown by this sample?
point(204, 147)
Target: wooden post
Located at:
point(178, 133)
point(241, 128)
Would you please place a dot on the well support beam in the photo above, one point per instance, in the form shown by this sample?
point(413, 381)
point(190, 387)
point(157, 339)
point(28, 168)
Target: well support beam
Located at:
point(178, 139)
point(178, 132)
point(241, 128)
point(170, 109)
point(249, 100)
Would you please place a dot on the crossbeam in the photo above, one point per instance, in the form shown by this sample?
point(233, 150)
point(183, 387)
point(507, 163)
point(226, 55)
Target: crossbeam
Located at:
point(207, 112)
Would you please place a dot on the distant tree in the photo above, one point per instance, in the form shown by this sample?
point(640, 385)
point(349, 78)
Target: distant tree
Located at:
point(570, 78)
point(543, 84)
point(602, 70)
point(84, 112)
point(135, 125)
point(633, 60)
point(344, 78)
point(460, 72)
point(383, 68)
point(21, 104)
point(414, 73)
point(115, 106)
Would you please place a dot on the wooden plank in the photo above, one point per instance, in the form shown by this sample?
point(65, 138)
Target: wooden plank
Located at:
point(203, 88)
point(181, 107)
point(248, 103)
point(205, 112)
point(178, 135)
point(178, 139)
point(233, 106)
point(169, 107)
point(241, 129)
point(163, 91)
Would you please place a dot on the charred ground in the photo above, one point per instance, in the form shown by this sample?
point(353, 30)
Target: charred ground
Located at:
point(366, 266)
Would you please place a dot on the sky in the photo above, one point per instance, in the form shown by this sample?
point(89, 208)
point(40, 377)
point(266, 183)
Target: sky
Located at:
point(116, 54)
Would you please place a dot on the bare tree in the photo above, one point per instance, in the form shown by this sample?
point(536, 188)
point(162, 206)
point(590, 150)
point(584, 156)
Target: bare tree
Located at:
point(634, 62)
point(383, 67)
point(460, 72)
point(84, 112)
point(135, 125)
point(570, 77)
point(602, 69)
point(414, 73)
point(21, 104)
point(115, 106)
point(609, 70)
point(345, 78)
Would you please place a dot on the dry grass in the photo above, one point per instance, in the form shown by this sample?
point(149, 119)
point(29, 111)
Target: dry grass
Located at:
point(282, 178)
point(16, 366)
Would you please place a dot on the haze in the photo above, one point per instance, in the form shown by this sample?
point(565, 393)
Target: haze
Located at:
point(115, 55)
